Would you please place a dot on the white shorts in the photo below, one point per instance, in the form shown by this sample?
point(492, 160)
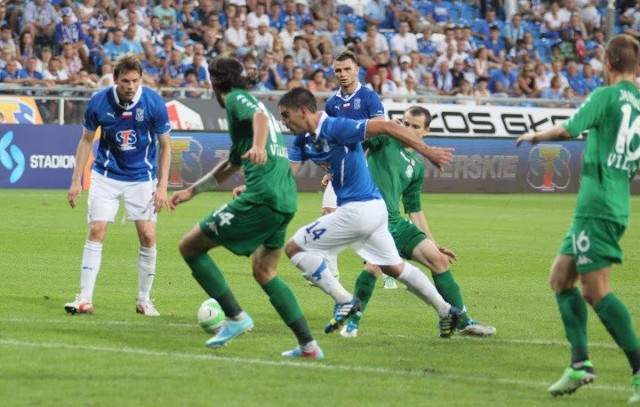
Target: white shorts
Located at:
point(360, 225)
point(105, 195)
point(329, 199)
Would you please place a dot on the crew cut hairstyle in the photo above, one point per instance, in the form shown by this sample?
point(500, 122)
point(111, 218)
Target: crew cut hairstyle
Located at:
point(416, 111)
point(228, 73)
point(128, 62)
point(623, 52)
point(344, 55)
point(298, 98)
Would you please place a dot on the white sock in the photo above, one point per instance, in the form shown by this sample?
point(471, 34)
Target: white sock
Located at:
point(309, 346)
point(332, 263)
point(91, 259)
point(420, 285)
point(146, 271)
point(315, 269)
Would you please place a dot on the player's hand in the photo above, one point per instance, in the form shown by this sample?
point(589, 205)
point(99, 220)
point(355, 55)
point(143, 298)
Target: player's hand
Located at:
point(449, 253)
point(438, 156)
point(179, 197)
point(160, 200)
point(74, 192)
point(324, 182)
point(237, 191)
point(256, 155)
point(530, 137)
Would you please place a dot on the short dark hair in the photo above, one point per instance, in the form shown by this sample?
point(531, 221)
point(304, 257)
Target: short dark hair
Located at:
point(344, 55)
point(227, 74)
point(127, 63)
point(416, 111)
point(298, 98)
point(623, 52)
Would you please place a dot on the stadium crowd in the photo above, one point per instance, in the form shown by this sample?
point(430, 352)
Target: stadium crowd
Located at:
point(529, 49)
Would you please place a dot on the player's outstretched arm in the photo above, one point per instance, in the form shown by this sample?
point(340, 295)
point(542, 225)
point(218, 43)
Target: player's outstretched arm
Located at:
point(439, 156)
point(82, 156)
point(160, 197)
point(257, 154)
point(209, 182)
point(557, 132)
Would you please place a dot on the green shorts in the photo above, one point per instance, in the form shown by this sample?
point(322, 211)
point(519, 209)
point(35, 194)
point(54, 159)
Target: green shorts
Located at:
point(406, 235)
point(242, 227)
point(593, 243)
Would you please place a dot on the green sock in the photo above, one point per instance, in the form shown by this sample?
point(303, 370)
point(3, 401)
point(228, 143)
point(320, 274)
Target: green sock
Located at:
point(365, 284)
point(285, 303)
point(573, 311)
point(615, 317)
point(210, 278)
point(450, 290)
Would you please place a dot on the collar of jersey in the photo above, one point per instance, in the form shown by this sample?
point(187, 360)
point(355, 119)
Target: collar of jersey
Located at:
point(135, 99)
point(348, 97)
point(315, 134)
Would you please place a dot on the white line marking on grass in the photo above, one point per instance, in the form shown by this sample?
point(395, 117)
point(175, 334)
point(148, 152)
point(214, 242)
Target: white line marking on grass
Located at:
point(289, 363)
point(84, 320)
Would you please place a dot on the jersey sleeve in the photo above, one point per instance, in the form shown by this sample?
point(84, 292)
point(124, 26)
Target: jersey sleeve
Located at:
point(375, 143)
point(411, 197)
point(590, 113)
point(240, 107)
point(296, 153)
point(90, 120)
point(344, 132)
point(374, 106)
point(161, 123)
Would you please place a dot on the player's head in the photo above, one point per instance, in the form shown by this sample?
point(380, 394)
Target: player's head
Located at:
point(127, 75)
point(622, 54)
point(228, 74)
point(295, 107)
point(346, 68)
point(417, 119)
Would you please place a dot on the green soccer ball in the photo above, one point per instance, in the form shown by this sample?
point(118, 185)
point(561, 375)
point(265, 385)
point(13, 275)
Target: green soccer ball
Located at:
point(211, 316)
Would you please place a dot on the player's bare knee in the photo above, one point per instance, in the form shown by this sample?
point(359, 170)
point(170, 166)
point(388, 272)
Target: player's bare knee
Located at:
point(291, 248)
point(393, 271)
point(97, 231)
point(373, 269)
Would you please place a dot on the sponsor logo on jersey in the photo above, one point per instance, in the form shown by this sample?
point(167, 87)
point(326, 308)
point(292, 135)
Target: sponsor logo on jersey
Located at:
point(356, 103)
point(583, 260)
point(140, 115)
point(127, 139)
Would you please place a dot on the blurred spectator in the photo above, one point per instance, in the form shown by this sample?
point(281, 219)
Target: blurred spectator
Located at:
point(297, 79)
point(374, 42)
point(403, 10)
point(556, 69)
point(167, 15)
point(131, 7)
point(404, 41)
point(40, 19)
point(188, 20)
point(107, 76)
point(131, 36)
point(438, 14)
point(288, 34)
point(70, 32)
point(209, 44)
point(285, 70)
point(278, 49)
point(318, 82)
point(205, 10)
point(70, 61)
point(597, 62)
point(444, 80)
point(402, 71)
point(173, 72)
point(264, 38)
point(152, 70)
point(333, 34)
point(450, 56)
point(426, 46)
point(134, 31)
point(481, 62)
point(257, 17)
point(193, 89)
point(250, 47)
point(236, 35)
point(387, 86)
point(289, 13)
point(274, 16)
point(264, 85)
point(11, 73)
point(300, 53)
point(543, 76)
point(375, 12)
point(465, 93)
point(502, 80)
point(496, 47)
point(481, 89)
point(554, 91)
point(569, 95)
point(55, 75)
point(116, 47)
point(514, 31)
point(301, 14)
point(6, 39)
point(554, 22)
point(532, 10)
point(14, 11)
point(526, 85)
point(448, 39)
point(428, 86)
point(591, 81)
point(576, 80)
point(376, 83)
point(325, 64)
point(269, 65)
point(103, 17)
point(481, 26)
point(418, 64)
point(591, 16)
point(313, 42)
point(457, 73)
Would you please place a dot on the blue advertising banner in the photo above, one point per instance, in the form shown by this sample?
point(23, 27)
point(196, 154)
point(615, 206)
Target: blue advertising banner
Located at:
point(39, 157)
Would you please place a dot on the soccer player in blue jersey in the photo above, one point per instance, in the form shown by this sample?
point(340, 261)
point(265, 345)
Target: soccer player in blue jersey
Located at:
point(352, 101)
point(361, 218)
point(132, 164)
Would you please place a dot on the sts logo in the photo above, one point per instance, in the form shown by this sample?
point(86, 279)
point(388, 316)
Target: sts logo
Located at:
point(11, 157)
point(549, 167)
point(127, 139)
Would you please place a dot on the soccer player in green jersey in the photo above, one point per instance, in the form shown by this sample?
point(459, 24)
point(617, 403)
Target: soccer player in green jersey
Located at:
point(253, 224)
point(590, 247)
point(399, 174)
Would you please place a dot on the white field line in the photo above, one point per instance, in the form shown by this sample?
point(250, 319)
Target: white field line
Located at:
point(312, 365)
point(83, 320)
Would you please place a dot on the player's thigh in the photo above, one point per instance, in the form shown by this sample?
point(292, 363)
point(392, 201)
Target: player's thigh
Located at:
point(242, 227)
point(331, 233)
point(195, 242)
point(138, 201)
point(378, 247)
point(104, 198)
point(593, 244)
point(406, 236)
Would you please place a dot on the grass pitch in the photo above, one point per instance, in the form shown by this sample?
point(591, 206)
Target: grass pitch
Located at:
point(505, 244)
